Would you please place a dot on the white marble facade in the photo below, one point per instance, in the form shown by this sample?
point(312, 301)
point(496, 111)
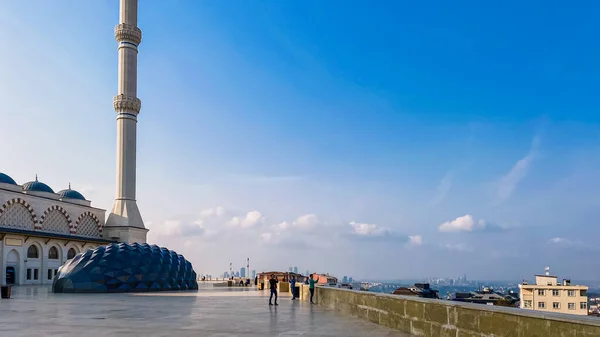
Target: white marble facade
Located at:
point(40, 230)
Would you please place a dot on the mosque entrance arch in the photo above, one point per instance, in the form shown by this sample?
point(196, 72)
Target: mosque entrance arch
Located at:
point(12, 267)
point(10, 275)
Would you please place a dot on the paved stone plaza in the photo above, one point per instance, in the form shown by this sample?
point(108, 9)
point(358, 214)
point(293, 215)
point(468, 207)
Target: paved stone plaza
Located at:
point(36, 311)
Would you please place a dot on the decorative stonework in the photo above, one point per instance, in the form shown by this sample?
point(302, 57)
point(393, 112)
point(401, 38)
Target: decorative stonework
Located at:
point(88, 225)
point(56, 220)
point(18, 213)
point(129, 104)
point(128, 33)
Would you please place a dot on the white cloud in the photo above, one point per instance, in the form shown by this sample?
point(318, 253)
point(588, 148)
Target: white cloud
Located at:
point(304, 222)
point(509, 182)
point(465, 223)
point(305, 231)
point(373, 231)
point(307, 221)
point(209, 223)
point(251, 219)
point(415, 240)
point(283, 226)
point(364, 229)
point(176, 228)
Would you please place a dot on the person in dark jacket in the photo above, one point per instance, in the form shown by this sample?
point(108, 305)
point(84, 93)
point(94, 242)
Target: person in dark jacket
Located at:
point(311, 286)
point(293, 287)
point(273, 285)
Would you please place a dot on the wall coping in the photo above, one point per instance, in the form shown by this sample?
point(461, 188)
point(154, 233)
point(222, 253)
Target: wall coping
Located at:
point(576, 319)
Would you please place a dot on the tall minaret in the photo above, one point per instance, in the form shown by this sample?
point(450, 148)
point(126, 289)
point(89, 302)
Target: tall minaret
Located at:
point(125, 222)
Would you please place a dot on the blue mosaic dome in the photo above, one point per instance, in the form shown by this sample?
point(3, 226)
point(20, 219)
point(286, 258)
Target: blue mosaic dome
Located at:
point(125, 267)
point(5, 179)
point(71, 194)
point(37, 186)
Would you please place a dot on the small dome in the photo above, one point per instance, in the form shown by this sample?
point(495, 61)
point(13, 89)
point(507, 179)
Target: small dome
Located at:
point(70, 194)
point(36, 186)
point(5, 179)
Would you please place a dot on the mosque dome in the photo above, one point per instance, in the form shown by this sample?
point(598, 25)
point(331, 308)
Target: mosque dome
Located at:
point(70, 194)
point(5, 179)
point(37, 186)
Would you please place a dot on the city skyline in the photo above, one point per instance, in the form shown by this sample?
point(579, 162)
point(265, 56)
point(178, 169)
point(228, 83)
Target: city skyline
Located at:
point(280, 129)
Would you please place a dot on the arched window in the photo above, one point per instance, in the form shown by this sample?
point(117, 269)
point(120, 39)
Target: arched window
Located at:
point(53, 253)
point(32, 252)
point(71, 253)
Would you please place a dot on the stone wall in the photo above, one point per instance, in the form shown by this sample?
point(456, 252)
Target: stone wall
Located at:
point(440, 318)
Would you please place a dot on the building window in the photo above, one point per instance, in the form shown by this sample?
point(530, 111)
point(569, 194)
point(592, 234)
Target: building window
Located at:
point(29, 273)
point(53, 253)
point(36, 274)
point(571, 306)
point(582, 293)
point(555, 305)
point(527, 304)
point(583, 305)
point(55, 272)
point(541, 292)
point(71, 253)
point(541, 305)
point(32, 252)
point(549, 283)
point(49, 274)
point(571, 293)
point(555, 292)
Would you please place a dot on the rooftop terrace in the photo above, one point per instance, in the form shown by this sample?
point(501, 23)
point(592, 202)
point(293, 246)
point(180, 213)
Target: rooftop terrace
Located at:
point(36, 311)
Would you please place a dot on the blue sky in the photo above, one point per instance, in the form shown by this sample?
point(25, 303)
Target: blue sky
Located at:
point(352, 130)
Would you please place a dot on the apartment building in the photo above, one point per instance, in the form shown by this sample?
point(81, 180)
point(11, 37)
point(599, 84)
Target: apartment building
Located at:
point(549, 295)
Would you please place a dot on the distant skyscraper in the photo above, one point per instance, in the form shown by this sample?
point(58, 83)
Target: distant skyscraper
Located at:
point(345, 279)
point(296, 270)
point(253, 273)
point(291, 269)
point(307, 273)
point(237, 274)
point(350, 279)
point(242, 272)
point(226, 274)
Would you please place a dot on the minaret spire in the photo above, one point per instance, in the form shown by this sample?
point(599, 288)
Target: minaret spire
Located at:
point(125, 222)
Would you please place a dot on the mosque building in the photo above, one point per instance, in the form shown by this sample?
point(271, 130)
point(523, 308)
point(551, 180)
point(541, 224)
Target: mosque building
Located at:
point(41, 229)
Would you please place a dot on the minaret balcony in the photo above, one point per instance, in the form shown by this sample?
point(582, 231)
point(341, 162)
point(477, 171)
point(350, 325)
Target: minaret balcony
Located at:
point(128, 33)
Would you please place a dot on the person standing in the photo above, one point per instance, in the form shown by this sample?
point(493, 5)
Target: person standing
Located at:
point(293, 287)
point(311, 286)
point(273, 283)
